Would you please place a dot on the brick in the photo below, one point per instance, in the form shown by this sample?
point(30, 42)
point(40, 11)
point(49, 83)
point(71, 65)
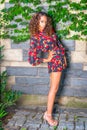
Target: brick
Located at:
point(43, 72)
point(76, 73)
point(76, 66)
point(69, 44)
point(21, 71)
point(70, 91)
point(6, 43)
point(12, 55)
point(80, 45)
point(79, 126)
point(32, 81)
point(79, 82)
point(85, 68)
point(78, 57)
point(37, 89)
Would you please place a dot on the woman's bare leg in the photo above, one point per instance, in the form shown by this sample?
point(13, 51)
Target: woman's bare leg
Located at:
point(54, 85)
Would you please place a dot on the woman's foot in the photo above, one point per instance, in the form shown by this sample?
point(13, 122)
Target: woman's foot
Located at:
point(48, 118)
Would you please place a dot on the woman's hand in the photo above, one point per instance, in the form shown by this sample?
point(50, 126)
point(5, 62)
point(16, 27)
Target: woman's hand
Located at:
point(65, 60)
point(50, 56)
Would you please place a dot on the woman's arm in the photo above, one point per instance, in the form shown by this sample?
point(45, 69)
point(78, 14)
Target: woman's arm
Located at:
point(33, 53)
point(45, 60)
point(50, 56)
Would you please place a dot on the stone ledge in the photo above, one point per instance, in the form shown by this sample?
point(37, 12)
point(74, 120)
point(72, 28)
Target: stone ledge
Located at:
point(20, 64)
point(27, 100)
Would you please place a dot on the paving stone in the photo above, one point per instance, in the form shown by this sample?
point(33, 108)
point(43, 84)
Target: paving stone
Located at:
point(32, 120)
point(6, 127)
point(82, 119)
point(71, 118)
point(44, 127)
point(37, 119)
point(34, 126)
point(26, 124)
point(23, 112)
point(86, 125)
point(31, 116)
point(81, 114)
point(20, 121)
point(61, 128)
point(11, 122)
point(12, 128)
point(79, 125)
point(66, 124)
point(62, 117)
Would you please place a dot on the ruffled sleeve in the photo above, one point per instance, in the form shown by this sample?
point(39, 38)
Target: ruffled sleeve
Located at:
point(33, 53)
point(54, 40)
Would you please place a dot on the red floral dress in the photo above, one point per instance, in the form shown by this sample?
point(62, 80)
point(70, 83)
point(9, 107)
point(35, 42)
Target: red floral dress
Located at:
point(41, 42)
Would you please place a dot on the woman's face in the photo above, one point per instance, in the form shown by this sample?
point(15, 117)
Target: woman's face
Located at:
point(42, 22)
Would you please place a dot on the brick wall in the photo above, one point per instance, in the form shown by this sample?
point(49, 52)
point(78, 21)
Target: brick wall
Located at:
point(35, 80)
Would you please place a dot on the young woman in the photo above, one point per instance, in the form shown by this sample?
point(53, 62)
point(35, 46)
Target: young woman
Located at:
point(43, 38)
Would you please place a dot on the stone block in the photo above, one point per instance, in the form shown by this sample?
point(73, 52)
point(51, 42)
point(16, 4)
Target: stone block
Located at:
point(43, 72)
point(80, 45)
point(31, 81)
point(80, 82)
point(2, 69)
point(6, 43)
point(77, 57)
point(11, 80)
point(85, 68)
point(22, 45)
point(76, 91)
point(69, 44)
point(12, 55)
point(21, 71)
point(76, 66)
point(37, 89)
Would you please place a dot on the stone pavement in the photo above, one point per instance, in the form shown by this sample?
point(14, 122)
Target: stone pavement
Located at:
point(31, 119)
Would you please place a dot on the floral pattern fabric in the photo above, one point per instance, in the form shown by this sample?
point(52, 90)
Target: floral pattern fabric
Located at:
point(41, 42)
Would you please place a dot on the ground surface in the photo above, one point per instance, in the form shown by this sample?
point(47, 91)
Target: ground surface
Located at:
point(31, 118)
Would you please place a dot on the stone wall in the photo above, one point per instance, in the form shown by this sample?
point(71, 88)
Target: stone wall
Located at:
point(35, 80)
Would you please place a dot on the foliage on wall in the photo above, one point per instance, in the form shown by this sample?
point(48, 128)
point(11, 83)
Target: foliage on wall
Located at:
point(68, 18)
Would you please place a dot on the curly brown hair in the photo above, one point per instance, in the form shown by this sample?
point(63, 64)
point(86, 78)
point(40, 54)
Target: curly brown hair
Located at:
point(34, 24)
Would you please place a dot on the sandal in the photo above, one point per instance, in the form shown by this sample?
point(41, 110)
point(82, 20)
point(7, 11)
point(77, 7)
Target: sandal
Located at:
point(48, 120)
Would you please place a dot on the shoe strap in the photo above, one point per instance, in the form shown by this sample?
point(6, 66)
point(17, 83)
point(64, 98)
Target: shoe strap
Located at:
point(48, 114)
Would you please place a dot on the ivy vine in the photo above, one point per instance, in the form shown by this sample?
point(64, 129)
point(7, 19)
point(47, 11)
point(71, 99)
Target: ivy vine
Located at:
point(15, 18)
